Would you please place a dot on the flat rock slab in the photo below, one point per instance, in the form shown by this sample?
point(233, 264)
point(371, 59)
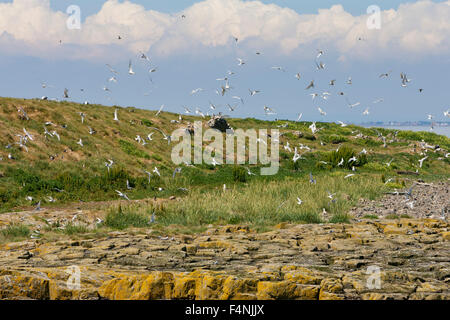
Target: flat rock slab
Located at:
point(320, 261)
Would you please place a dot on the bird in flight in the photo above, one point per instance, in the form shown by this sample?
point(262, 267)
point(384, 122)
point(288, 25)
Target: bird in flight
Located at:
point(278, 68)
point(320, 66)
point(111, 69)
point(405, 79)
point(352, 105)
point(319, 53)
point(159, 111)
point(311, 85)
point(166, 137)
point(268, 110)
point(422, 160)
point(313, 127)
point(130, 69)
point(196, 91)
point(144, 56)
point(122, 195)
point(231, 107)
point(385, 75)
point(239, 98)
point(378, 100)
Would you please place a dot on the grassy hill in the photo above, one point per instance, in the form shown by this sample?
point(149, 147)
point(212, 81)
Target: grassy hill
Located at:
point(52, 165)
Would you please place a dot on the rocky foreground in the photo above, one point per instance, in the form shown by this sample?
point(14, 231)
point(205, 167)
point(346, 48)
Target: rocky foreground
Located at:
point(378, 258)
point(329, 261)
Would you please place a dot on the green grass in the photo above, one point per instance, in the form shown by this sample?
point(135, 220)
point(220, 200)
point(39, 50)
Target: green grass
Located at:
point(264, 203)
point(121, 218)
point(392, 216)
point(370, 216)
point(340, 218)
point(14, 232)
point(396, 216)
point(71, 229)
point(131, 149)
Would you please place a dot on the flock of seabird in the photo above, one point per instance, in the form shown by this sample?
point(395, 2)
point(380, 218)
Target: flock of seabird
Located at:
point(224, 89)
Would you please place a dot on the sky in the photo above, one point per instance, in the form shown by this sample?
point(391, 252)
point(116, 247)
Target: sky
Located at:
point(191, 44)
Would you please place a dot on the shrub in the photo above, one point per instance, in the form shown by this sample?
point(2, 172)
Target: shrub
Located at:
point(346, 153)
point(294, 165)
point(334, 139)
point(147, 123)
point(239, 174)
point(309, 137)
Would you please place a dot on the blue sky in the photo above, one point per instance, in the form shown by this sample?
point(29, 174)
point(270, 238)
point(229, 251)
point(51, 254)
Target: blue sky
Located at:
point(352, 6)
point(191, 53)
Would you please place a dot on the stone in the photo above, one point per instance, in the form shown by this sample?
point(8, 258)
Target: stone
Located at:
point(219, 123)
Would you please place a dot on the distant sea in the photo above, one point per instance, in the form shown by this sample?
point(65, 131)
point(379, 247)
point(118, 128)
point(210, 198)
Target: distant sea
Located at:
point(438, 130)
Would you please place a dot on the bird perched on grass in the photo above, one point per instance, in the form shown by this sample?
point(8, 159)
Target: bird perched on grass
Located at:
point(177, 170)
point(311, 179)
point(128, 185)
point(38, 206)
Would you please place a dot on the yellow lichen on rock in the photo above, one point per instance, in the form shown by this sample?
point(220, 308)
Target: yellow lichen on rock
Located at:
point(286, 290)
point(157, 285)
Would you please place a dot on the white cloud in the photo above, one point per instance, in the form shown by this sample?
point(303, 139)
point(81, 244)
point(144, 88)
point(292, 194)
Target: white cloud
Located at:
point(414, 29)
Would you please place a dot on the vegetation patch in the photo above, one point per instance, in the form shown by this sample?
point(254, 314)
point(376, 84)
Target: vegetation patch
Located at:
point(14, 232)
point(121, 218)
point(130, 149)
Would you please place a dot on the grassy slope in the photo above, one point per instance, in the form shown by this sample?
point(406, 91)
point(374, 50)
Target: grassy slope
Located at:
point(81, 172)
